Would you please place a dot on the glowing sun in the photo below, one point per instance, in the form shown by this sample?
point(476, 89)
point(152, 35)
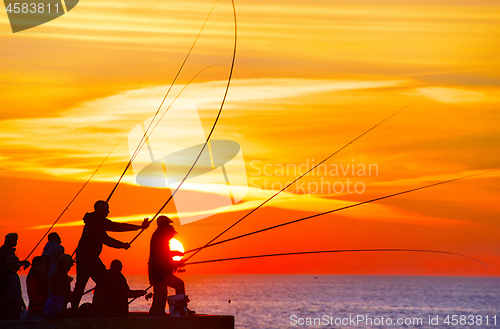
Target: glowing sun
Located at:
point(177, 246)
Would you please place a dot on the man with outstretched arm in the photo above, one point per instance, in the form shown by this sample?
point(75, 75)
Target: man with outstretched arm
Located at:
point(88, 263)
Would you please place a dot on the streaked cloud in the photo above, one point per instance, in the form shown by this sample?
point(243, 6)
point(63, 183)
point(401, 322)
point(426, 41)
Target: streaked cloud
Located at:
point(79, 133)
point(454, 95)
point(437, 178)
point(313, 203)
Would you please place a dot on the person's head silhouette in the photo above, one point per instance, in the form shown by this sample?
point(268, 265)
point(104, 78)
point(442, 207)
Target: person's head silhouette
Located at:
point(102, 208)
point(163, 221)
point(11, 239)
point(116, 265)
point(54, 237)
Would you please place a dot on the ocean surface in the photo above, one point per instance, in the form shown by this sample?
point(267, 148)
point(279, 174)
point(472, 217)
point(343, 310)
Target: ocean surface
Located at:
point(340, 301)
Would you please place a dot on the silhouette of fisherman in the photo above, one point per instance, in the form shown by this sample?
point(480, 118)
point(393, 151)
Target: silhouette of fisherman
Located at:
point(53, 250)
point(11, 298)
point(37, 285)
point(88, 264)
point(9, 249)
point(59, 289)
point(162, 266)
point(112, 294)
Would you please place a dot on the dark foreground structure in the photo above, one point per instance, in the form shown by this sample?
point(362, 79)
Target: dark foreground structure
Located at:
point(134, 321)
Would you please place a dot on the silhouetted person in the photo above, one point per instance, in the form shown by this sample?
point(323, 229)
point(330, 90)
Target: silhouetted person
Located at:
point(59, 289)
point(9, 249)
point(53, 250)
point(37, 285)
point(162, 266)
point(88, 264)
point(112, 294)
point(11, 297)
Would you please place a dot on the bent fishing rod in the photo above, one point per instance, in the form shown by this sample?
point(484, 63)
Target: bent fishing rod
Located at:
point(211, 130)
point(290, 184)
point(342, 208)
point(329, 252)
point(151, 132)
point(145, 136)
point(339, 251)
point(71, 202)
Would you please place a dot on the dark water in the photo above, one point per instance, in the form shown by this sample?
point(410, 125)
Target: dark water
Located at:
point(294, 301)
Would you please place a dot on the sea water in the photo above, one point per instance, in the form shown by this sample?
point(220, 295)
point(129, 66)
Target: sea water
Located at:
point(340, 301)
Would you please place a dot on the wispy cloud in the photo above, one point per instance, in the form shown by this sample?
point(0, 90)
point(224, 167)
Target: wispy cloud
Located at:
point(79, 133)
point(418, 181)
point(454, 95)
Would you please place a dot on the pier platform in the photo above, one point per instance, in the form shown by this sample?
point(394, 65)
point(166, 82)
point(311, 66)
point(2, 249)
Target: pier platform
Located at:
point(134, 321)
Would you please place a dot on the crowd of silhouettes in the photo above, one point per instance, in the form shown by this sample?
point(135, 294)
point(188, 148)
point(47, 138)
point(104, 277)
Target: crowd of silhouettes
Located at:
point(48, 284)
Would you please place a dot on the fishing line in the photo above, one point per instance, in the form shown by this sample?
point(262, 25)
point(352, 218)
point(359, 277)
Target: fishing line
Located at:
point(284, 188)
point(67, 207)
point(144, 137)
point(338, 251)
point(213, 126)
point(342, 208)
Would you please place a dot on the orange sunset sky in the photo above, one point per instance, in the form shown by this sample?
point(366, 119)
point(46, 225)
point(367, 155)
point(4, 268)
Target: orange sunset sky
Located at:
point(309, 77)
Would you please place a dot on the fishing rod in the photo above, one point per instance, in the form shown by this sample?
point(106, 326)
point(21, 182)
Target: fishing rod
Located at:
point(342, 208)
point(158, 123)
point(67, 207)
point(213, 126)
point(130, 302)
point(290, 184)
point(145, 136)
point(338, 251)
point(329, 252)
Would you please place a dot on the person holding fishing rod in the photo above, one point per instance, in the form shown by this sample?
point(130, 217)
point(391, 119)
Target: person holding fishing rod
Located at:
point(161, 268)
point(9, 249)
point(88, 263)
